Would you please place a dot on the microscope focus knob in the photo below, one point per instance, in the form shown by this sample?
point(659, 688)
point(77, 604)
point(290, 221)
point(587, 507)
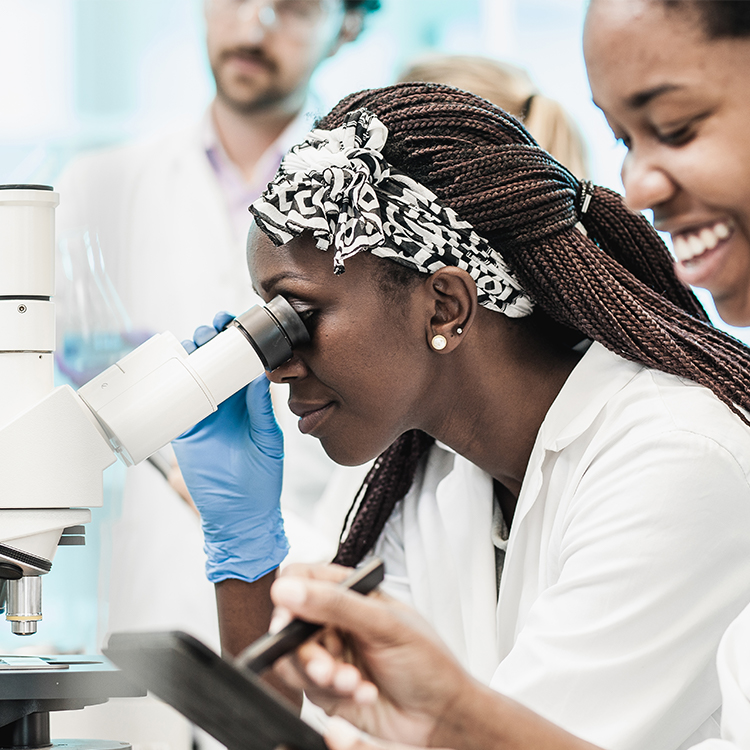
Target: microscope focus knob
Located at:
point(10, 572)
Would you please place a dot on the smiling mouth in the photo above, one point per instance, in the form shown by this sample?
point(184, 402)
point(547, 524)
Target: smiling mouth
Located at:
point(691, 246)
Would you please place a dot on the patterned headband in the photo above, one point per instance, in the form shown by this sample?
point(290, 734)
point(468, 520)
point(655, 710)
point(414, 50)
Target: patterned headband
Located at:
point(337, 185)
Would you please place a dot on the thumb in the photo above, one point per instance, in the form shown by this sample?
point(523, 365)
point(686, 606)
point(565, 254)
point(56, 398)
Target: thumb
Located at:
point(264, 430)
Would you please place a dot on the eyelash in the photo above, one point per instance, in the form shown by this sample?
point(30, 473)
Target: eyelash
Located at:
point(307, 314)
point(678, 137)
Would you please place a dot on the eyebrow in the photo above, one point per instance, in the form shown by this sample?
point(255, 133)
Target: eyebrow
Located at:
point(273, 280)
point(642, 98)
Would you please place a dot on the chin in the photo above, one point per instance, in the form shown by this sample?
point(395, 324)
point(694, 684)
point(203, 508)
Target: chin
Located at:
point(348, 454)
point(734, 314)
point(347, 458)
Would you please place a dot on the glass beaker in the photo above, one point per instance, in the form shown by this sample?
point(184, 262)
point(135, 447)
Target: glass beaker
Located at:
point(93, 327)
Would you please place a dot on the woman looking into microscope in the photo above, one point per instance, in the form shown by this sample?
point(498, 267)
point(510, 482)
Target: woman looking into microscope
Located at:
point(455, 349)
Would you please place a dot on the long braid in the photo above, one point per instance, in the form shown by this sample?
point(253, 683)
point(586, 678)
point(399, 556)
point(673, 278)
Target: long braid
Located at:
point(634, 244)
point(615, 284)
point(387, 482)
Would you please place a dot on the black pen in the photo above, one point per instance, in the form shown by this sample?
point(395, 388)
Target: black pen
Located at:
point(262, 653)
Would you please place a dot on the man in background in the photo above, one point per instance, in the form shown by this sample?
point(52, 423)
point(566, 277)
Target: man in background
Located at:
point(171, 217)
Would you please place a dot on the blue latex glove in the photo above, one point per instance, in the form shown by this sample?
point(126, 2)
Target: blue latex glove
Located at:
point(232, 465)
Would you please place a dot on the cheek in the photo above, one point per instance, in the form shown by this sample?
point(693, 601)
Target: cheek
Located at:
point(714, 167)
point(373, 347)
point(375, 384)
point(295, 59)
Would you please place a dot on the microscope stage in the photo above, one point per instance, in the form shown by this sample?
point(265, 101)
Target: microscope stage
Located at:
point(58, 683)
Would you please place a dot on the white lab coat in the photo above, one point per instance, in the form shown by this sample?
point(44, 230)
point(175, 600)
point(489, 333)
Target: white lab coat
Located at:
point(628, 557)
point(733, 664)
point(169, 249)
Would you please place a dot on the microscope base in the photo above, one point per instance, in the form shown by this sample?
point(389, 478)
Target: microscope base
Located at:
point(32, 732)
point(55, 684)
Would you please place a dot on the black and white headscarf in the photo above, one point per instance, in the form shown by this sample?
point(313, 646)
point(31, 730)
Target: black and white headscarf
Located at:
point(337, 185)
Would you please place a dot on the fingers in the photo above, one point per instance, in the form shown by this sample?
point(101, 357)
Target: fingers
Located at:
point(328, 572)
point(222, 320)
point(203, 334)
point(341, 735)
point(264, 430)
point(325, 679)
point(335, 573)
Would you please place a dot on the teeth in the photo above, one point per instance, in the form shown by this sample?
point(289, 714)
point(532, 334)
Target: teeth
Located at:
point(687, 247)
point(721, 230)
point(709, 239)
point(681, 249)
point(695, 245)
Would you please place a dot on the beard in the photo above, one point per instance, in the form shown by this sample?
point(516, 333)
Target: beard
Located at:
point(248, 94)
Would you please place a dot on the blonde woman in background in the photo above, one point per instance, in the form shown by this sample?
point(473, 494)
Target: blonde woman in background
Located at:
point(511, 89)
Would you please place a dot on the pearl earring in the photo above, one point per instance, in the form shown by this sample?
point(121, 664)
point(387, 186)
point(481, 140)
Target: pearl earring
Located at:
point(438, 342)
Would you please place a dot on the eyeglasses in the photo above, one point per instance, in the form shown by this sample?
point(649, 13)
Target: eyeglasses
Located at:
point(290, 16)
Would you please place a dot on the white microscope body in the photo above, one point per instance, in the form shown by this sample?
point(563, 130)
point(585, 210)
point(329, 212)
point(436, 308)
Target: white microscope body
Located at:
point(55, 442)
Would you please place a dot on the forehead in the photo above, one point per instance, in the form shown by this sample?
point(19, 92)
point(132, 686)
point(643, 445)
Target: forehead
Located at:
point(300, 267)
point(299, 258)
point(634, 45)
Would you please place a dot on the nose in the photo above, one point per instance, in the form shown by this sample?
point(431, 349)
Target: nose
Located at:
point(646, 184)
point(293, 369)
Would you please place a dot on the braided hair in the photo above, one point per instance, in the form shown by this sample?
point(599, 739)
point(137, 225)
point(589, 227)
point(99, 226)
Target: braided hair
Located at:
point(614, 283)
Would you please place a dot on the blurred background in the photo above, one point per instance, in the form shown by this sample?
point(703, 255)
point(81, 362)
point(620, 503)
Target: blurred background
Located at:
point(79, 74)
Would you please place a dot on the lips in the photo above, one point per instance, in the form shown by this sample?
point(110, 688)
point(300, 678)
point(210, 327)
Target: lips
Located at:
point(310, 416)
point(702, 250)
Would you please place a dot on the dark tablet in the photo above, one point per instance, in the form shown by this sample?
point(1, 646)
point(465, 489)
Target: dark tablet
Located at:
point(233, 706)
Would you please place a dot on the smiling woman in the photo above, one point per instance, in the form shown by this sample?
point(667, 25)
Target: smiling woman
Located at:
point(673, 80)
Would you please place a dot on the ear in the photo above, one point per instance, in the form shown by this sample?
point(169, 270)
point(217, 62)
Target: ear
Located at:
point(453, 298)
point(351, 27)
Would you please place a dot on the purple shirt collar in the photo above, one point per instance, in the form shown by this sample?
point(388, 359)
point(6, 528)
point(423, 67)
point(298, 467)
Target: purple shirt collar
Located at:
point(238, 193)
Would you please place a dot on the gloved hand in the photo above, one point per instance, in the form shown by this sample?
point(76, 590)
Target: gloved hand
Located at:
point(232, 465)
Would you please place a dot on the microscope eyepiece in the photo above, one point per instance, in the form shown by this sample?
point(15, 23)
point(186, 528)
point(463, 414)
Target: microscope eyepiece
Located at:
point(262, 326)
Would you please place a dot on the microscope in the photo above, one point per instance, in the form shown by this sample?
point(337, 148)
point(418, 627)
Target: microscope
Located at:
point(55, 442)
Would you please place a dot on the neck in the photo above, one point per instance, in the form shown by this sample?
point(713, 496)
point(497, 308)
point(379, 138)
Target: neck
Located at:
point(498, 398)
point(246, 136)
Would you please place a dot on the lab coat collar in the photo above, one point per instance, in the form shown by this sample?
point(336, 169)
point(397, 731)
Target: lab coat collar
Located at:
point(597, 377)
point(593, 382)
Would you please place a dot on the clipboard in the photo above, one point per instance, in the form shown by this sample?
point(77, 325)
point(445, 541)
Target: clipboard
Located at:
point(228, 699)
point(233, 706)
